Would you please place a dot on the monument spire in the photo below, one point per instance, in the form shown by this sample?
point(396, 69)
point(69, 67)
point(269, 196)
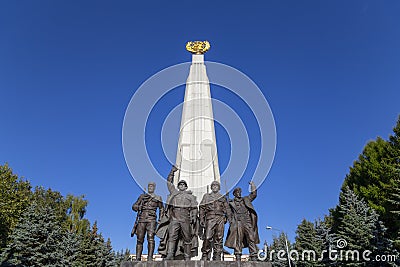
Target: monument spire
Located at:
point(197, 158)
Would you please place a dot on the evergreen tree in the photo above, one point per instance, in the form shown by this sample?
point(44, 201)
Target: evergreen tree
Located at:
point(381, 245)
point(375, 174)
point(395, 201)
point(105, 253)
point(307, 244)
point(94, 251)
point(88, 255)
point(355, 227)
point(37, 240)
point(278, 251)
point(52, 231)
point(123, 256)
point(14, 199)
point(71, 248)
point(356, 220)
point(53, 199)
point(325, 238)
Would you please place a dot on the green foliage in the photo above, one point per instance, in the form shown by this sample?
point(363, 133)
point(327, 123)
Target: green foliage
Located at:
point(369, 201)
point(278, 250)
point(325, 240)
point(355, 221)
point(14, 198)
point(76, 210)
point(375, 174)
point(43, 228)
point(95, 252)
point(359, 225)
point(53, 199)
point(394, 199)
point(109, 255)
point(122, 256)
point(38, 240)
point(309, 244)
point(71, 245)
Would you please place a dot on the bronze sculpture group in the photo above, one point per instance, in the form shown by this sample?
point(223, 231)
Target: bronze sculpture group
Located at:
point(181, 222)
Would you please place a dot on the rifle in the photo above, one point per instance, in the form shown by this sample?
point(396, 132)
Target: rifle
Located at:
point(227, 199)
point(226, 191)
point(137, 216)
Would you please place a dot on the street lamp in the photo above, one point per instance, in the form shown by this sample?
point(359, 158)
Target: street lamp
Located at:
point(287, 247)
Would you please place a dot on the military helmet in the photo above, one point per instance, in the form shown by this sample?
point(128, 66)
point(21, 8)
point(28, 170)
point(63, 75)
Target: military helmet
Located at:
point(182, 182)
point(237, 189)
point(216, 183)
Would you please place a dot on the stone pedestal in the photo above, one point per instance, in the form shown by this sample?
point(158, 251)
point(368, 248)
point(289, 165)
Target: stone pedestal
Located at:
point(178, 263)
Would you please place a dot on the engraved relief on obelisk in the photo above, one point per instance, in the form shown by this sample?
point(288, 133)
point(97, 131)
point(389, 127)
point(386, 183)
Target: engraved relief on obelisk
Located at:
point(196, 158)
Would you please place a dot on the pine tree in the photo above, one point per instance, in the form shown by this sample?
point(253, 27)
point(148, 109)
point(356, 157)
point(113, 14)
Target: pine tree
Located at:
point(357, 220)
point(354, 226)
point(278, 251)
point(395, 201)
point(381, 245)
point(307, 244)
point(122, 256)
point(14, 199)
point(71, 248)
point(111, 259)
point(53, 199)
point(326, 239)
point(95, 251)
point(37, 240)
point(52, 231)
point(88, 249)
point(105, 253)
point(375, 174)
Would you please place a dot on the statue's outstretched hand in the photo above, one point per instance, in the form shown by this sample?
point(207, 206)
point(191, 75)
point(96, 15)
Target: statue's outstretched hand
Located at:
point(252, 186)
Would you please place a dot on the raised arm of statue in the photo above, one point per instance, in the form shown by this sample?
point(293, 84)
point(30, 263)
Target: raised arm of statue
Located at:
point(170, 180)
point(253, 193)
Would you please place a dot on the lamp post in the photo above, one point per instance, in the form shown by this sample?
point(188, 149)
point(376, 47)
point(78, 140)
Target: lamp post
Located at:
point(287, 247)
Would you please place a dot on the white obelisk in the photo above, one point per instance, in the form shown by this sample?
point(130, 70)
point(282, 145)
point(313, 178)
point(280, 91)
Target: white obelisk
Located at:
point(196, 158)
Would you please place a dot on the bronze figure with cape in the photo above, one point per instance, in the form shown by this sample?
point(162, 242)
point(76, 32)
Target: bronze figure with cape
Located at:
point(243, 231)
point(179, 225)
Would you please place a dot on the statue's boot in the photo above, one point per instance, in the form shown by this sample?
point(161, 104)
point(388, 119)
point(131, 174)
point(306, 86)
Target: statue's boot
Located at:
point(139, 249)
point(187, 251)
point(150, 249)
point(217, 256)
point(238, 257)
point(170, 251)
point(253, 258)
point(204, 257)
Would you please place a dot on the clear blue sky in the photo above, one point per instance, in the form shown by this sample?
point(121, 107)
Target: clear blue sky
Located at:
point(330, 71)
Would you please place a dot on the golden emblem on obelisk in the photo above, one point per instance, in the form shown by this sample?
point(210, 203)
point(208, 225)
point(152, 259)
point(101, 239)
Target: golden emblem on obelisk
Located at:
point(198, 47)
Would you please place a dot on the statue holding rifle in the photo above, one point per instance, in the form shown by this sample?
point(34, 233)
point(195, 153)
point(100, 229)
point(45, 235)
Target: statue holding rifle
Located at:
point(214, 213)
point(146, 220)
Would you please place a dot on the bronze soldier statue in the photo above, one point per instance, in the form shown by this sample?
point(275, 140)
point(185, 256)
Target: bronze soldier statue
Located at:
point(146, 220)
point(214, 212)
point(243, 231)
point(181, 219)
